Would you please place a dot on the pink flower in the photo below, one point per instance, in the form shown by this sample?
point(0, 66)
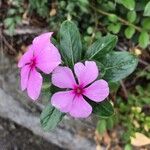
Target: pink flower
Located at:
point(41, 55)
point(72, 101)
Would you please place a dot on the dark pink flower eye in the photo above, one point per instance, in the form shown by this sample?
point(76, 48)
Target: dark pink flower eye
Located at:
point(78, 90)
point(33, 63)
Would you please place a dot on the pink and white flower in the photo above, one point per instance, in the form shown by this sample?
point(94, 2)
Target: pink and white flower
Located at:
point(72, 100)
point(41, 55)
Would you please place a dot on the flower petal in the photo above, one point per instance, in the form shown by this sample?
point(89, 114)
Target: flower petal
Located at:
point(62, 77)
point(97, 91)
point(80, 108)
point(63, 100)
point(48, 59)
point(34, 84)
point(86, 73)
point(24, 76)
point(41, 41)
point(28, 55)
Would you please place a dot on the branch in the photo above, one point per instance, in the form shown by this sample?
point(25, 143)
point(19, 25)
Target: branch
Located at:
point(124, 89)
point(125, 22)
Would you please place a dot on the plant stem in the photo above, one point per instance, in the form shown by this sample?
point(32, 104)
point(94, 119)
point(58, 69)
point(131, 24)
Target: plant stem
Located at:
point(119, 18)
point(124, 90)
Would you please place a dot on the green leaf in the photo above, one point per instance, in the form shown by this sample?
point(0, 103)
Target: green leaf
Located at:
point(114, 28)
point(113, 18)
point(70, 43)
point(89, 30)
point(83, 5)
point(101, 68)
point(11, 11)
point(103, 109)
point(9, 21)
point(146, 23)
point(147, 9)
point(18, 19)
point(130, 4)
point(131, 16)
point(129, 32)
point(70, 7)
point(55, 42)
point(128, 147)
point(114, 86)
point(101, 47)
point(111, 5)
point(11, 29)
point(101, 126)
point(98, 35)
point(144, 39)
point(50, 117)
point(118, 65)
point(110, 122)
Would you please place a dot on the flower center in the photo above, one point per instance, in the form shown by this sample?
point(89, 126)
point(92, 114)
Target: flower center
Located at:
point(78, 90)
point(33, 63)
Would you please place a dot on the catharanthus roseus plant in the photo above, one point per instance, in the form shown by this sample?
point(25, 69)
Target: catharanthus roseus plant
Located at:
point(79, 84)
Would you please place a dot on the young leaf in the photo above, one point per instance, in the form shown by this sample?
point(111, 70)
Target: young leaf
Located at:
point(110, 122)
point(147, 9)
point(146, 23)
point(9, 21)
point(114, 28)
point(11, 29)
point(89, 30)
point(128, 147)
point(101, 47)
point(70, 43)
point(101, 126)
point(130, 4)
point(118, 65)
point(103, 109)
point(111, 5)
point(50, 117)
point(11, 11)
point(18, 19)
point(131, 16)
point(144, 39)
point(129, 32)
point(113, 18)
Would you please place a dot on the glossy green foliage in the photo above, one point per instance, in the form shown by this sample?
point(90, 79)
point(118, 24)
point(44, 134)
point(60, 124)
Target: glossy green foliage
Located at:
point(129, 32)
point(103, 109)
point(101, 47)
point(129, 4)
point(144, 39)
point(50, 117)
point(118, 65)
point(131, 16)
point(70, 43)
point(147, 9)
